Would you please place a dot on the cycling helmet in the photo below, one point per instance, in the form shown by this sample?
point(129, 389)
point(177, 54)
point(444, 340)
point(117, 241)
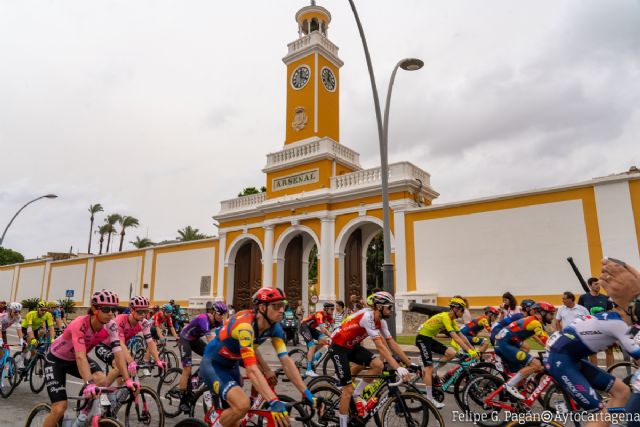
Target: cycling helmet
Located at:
point(383, 298)
point(457, 303)
point(268, 295)
point(15, 306)
point(219, 307)
point(139, 302)
point(527, 303)
point(328, 305)
point(167, 308)
point(105, 297)
point(52, 304)
point(544, 306)
point(172, 301)
point(491, 310)
point(42, 304)
point(370, 300)
point(595, 310)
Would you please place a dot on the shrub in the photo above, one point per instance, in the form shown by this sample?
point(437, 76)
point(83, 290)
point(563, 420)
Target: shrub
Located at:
point(68, 305)
point(30, 304)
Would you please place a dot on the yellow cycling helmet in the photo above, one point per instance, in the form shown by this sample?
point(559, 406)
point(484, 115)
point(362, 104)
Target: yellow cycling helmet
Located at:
point(370, 300)
point(457, 303)
point(52, 304)
point(42, 304)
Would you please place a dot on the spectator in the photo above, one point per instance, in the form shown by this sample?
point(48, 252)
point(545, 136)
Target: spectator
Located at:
point(300, 310)
point(509, 306)
point(569, 311)
point(354, 303)
point(231, 310)
point(466, 316)
point(594, 299)
point(339, 313)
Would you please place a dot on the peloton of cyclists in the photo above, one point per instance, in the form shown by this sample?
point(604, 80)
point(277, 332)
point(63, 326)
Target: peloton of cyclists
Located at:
point(315, 331)
point(471, 329)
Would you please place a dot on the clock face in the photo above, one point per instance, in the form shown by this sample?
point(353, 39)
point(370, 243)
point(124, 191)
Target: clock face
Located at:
point(300, 77)
point(328, 79)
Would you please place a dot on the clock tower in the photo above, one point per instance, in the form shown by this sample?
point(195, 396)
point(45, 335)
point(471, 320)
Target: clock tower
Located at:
point(312, 79)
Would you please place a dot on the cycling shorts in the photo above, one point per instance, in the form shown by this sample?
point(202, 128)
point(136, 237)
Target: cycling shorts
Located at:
point(186, 349)
point(342, 356)
point(104, 353)
point(578, 378)
point(154, 333)
point(427, 347)
point(55, 374)
point(220, 379)
point(511, 354)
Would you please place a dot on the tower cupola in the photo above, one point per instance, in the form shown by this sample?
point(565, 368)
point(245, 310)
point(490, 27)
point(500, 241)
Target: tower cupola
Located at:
point(313, 18)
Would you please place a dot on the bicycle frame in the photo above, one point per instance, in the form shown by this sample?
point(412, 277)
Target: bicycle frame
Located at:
point(545, 382)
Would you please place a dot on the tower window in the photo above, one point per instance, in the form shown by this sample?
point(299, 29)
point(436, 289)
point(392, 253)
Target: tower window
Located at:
point(305, 27)
point(315, 26)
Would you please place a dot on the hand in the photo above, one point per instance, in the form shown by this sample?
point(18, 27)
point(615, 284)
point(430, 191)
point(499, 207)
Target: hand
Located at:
point(473, 354)
point(279, 412)
point(622, 282)
point(403, 373)
point(90, 391)
point(132, 385)
point(310, 397)
point(161, 364)
point(132, 368)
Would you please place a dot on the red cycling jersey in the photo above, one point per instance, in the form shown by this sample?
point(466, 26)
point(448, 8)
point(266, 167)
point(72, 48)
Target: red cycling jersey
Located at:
point(355, 328)
point(159, 319)
point(318, 319)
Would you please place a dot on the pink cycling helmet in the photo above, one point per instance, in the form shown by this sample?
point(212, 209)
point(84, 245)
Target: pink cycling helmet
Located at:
point(105, 297)
point(139, 302)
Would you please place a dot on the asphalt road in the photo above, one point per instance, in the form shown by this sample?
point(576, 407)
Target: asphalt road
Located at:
point(15, 409)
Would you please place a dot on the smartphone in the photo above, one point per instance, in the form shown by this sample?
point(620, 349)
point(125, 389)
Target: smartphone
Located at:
point(617, 261)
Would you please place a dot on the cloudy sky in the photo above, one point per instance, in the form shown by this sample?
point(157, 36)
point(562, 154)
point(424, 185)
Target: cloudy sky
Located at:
point(161, 109)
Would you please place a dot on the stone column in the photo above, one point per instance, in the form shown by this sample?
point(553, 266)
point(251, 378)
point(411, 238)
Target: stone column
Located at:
point(400, 267)
point(267, 260)
point(222, 249)
point(327, 268)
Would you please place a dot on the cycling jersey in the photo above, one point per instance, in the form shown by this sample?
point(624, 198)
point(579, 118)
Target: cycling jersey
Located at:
point(359, 326)
point(33, 322)
point(516, 332)
point(79, 337)
point(56, 313)
point(7, 321)
point(159, 319)
point(318, 319)
point(126, 330)
point(438, 323)
point(498, 326)
point(476, 325)
point(236, 339)
point(197, 328)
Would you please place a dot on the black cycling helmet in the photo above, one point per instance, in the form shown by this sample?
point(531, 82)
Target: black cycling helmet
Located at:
point(328, 305)
point(527, 303)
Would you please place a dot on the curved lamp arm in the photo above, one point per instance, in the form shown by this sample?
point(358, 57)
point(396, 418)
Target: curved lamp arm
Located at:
point(47, 196)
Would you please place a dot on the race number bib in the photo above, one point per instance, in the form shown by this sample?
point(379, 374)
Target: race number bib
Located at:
point(552, 339)
point(502, 334)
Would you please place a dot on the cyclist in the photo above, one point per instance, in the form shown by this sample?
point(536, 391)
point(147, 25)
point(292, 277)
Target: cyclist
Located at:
point(471, 329)
point(33, 322)
point(161, 318)
point(315, 328)
point(427, 343)
point(234, 346)
point(525, 305)
point(567, 358)
point(130, 325)
point(68, 354)
point(11, 318)
point(509, 344)
point(346, 347)
point(56, 313)
point(3, 306)
point(190, 341)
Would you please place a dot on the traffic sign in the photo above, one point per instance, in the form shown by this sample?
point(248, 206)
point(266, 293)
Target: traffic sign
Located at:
point(69, 293)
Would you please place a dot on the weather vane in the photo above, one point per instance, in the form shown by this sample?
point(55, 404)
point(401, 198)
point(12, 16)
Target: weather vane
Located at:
point(313, 2)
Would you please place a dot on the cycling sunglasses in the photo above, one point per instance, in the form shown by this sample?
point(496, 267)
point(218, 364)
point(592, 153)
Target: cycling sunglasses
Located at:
point(142, 311)
point(108, 309)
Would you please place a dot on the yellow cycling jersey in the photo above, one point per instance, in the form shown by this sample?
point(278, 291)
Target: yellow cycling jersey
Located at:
point(438, 323)
point(34, 321)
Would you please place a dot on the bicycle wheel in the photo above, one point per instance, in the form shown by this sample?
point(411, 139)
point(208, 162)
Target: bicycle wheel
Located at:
point(36, 376)
point(331, 396)
point(144, 410)
point(299, 357)
point(169, 392)
point(109, 422)
point(328, 365)
point(169, 357)
point(623, 370)
point(191, 422)
point(411, 410)
point(204, 398)
point(474, 395)
point(8, 378)
point(38, 414)
point(322, 379)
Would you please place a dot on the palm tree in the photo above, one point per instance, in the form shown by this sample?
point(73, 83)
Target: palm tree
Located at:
point(111, 221)
point(102, 230)
point(126, 222)
point(93, 209)
point(189, 233)
point(141, 243)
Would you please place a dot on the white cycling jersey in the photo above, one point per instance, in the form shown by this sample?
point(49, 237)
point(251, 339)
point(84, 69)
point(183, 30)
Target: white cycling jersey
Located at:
point(7, 321)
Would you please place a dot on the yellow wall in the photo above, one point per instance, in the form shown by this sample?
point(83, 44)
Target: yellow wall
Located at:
point(555, 299)
point(586, 195)
point(634, 190)
point(300, 98)
point(328, 103)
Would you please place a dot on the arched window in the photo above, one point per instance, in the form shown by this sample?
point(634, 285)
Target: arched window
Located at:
point(305, 27)
point(315, 26)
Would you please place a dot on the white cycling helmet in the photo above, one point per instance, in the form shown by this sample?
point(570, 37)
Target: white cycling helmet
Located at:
point(15, 306)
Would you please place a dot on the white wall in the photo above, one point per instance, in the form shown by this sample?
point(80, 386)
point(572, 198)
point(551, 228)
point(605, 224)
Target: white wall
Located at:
point(615, 219)
point(30, 283)
point(6, 282)
point(178, 274)
point(522, 250)
point(117, 274)
point(65, 278)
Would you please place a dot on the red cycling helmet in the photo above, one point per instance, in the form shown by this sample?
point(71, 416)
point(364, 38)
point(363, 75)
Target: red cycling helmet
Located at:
point(105, 297)
point(544, 306)
point(268, 295)
point(139, 302)
point(491, 310)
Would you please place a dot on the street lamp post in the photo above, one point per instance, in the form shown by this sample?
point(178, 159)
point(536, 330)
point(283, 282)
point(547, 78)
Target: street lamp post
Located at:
point(409, 64)
point(46, 196)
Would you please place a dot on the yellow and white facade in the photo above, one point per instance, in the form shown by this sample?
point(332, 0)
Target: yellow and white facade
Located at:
point(319, 195)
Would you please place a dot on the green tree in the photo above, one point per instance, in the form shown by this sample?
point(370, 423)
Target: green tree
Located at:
point(93, 209)
point(9, 256)
point(102, 230)
point(111, 221)
point(248, 191)
point(189, 233)
point(141, 243)
point(313, 264)
point(375, 259)
point(126, 222)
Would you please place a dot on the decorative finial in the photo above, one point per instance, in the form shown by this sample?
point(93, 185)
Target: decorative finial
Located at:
point(313, 2)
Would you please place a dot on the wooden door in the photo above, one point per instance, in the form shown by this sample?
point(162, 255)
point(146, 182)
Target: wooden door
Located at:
point(353, 266)
point(247, 275)
point(293, 271)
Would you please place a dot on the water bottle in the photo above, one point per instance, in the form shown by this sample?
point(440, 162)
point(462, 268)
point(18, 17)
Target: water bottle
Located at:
point(81, 421)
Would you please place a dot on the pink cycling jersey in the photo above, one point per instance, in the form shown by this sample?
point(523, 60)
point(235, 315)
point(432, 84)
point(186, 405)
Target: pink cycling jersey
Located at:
point(126, 331)
point(79, 337)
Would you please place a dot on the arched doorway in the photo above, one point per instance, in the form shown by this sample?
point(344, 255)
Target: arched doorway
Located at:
point(293, 271)
point(353, 266)
point(247, 274)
